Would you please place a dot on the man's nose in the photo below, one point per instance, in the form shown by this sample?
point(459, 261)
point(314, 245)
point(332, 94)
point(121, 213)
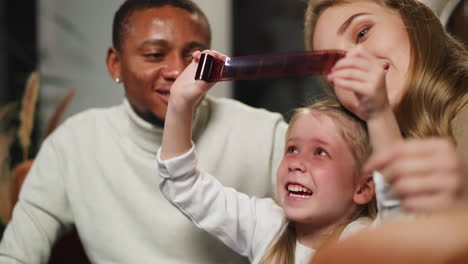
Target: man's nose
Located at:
point(174, 67)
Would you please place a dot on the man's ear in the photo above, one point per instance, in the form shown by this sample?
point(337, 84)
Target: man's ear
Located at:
point(113, 64)
point(365, 191)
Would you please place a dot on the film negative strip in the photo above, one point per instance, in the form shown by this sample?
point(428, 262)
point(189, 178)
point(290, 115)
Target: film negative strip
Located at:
point(266, 66)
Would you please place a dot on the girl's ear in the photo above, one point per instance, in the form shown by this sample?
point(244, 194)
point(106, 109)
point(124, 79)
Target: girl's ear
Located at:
point(365, 191)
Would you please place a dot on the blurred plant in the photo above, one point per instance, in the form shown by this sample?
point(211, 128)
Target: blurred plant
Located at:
point(18, 137)
point(16, 125)
point(8, 127)
point(28, 110)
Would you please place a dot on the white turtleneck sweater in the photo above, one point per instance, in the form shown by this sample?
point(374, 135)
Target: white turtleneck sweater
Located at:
point(99, 172)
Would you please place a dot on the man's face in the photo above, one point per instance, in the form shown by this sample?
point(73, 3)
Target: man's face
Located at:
point(156, 48)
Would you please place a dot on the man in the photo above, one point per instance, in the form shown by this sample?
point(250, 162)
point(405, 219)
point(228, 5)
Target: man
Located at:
point(98, 171)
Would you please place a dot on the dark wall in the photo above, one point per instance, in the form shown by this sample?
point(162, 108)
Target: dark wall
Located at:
point(18, 43)
point(3, 54)
point(458, 22)
point(18, 48)
point(270, 26)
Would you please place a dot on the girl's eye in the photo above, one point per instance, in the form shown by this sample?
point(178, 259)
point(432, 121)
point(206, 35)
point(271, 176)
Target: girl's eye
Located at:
point(321, 152)
point(292, 149)
point(362, 34)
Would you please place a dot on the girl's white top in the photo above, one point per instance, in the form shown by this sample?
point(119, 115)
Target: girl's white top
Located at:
point(248, 225)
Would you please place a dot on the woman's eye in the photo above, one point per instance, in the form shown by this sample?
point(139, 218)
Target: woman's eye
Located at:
point(362, 34)
point(321, 152)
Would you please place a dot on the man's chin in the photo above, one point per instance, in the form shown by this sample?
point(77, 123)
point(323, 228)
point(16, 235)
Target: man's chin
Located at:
point(155, 120)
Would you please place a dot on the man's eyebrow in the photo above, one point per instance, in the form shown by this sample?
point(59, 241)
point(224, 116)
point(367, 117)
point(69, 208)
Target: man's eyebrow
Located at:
point(165, 43)
point(196, 44)
point(151, 42)
point(348, 21)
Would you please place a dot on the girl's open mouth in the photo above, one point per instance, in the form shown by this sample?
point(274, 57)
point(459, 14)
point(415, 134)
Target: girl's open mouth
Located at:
point(298, 191)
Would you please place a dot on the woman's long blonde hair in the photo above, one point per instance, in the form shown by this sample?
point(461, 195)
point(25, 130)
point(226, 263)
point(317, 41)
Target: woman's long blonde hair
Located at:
point(437, 86)
point(354, 132)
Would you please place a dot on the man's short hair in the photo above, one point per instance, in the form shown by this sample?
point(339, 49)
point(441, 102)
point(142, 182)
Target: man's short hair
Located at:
point(125, 11)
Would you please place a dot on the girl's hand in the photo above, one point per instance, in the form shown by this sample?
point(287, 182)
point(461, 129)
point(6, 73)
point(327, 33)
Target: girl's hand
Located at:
point(186, 92)
point(359, 83)
point(426, 174)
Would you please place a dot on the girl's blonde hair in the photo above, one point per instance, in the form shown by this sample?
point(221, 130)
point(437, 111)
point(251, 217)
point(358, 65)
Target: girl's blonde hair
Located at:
point(354, 132)
point(437, 87)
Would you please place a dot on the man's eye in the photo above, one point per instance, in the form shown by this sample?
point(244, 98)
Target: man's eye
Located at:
point(321, 152)
point(154, 55)
point(362, 34)
point(188, 57)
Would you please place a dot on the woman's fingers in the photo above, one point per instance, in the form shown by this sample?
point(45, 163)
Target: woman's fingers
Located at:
point(434, 149)
point(424, 173)
point(427, 203)
point(349, 74)
point(379, 160)
point(352, 63)
point(366, 62)
point(423, 184)
point(363, 74)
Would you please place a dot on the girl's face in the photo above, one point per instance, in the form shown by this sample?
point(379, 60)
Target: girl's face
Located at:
point(316, 178)
point(379, 29)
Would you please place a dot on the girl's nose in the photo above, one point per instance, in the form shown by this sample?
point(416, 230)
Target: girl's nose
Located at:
point(296, 164)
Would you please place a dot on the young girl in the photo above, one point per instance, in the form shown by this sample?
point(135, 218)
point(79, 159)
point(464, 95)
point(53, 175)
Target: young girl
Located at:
point(322, 193)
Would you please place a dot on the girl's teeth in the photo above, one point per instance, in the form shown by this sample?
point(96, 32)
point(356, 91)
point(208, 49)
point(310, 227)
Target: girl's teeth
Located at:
point(299, 195)
point(298, 188)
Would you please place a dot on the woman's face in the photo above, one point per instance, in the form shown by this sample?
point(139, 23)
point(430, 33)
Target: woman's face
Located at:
point(379, 29)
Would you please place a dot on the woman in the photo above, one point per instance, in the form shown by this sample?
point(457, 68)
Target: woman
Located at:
point(426, 82)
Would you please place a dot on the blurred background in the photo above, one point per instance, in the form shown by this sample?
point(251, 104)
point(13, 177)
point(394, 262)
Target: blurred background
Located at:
point(66, 41)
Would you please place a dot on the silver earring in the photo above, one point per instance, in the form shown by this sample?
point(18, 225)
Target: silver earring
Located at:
point(117, 79)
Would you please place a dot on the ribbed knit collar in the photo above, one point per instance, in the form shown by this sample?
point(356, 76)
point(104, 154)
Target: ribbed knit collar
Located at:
point(148, 136)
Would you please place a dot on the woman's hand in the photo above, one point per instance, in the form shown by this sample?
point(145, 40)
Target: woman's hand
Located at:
point(186, 92)
point(426, 174)
point(440, 238)
point(359, 83)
